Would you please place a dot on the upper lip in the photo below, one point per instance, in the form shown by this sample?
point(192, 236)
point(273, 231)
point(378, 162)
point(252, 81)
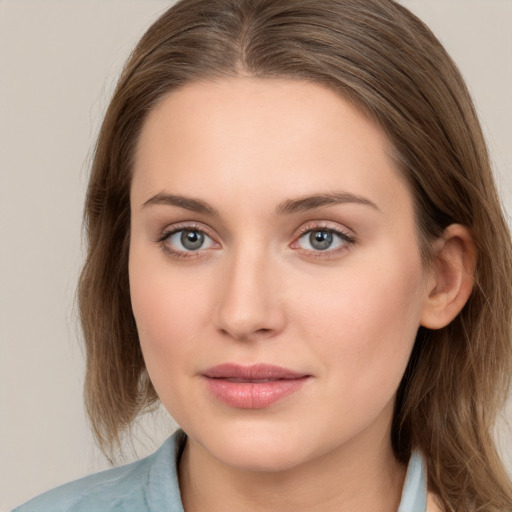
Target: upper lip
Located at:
point(251, 372)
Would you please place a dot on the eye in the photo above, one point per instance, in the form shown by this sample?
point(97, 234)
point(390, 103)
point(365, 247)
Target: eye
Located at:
point(323, 240)
point(188, 240)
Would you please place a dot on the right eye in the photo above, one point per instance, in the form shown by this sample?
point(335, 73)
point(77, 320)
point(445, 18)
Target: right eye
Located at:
point(187, 240)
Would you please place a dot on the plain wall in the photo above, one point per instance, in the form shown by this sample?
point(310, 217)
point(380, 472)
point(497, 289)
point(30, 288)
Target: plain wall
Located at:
point(58, 63)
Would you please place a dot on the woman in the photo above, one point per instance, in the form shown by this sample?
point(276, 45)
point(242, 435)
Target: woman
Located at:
point(296, 245)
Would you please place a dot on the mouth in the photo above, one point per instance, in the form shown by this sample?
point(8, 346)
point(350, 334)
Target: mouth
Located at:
point(252, 387)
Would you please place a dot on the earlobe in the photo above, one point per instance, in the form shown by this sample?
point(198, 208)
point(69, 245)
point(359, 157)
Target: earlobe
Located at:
point(452, 278)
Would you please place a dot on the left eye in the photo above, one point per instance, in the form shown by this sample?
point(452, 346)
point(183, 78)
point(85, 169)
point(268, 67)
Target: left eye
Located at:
point(322, 240)
point(188, 240)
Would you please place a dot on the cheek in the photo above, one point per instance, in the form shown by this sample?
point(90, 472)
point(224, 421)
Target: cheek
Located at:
point(364, 321)
point(169, 314)
point(169, 311)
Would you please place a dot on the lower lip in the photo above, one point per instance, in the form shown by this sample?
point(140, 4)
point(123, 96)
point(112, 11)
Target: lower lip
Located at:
point(253, 395)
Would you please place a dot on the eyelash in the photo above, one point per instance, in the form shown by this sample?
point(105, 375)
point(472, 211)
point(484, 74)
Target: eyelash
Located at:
point(177, 229)
point(347, 239)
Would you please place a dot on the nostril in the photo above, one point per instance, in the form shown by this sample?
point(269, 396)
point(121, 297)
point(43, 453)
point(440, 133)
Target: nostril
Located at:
point(243, 335)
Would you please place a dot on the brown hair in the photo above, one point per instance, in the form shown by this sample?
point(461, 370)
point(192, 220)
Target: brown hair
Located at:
point(379, 56)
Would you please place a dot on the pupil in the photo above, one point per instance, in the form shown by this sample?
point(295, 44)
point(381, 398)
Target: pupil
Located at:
point(320, 240)
point(192, 240)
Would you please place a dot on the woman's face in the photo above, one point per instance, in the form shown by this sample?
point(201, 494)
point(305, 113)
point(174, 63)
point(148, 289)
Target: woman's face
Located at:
point(275, 274)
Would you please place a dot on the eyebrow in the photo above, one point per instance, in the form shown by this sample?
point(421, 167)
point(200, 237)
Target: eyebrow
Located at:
point(288, 207)
point(187, 203)
point(303, 204)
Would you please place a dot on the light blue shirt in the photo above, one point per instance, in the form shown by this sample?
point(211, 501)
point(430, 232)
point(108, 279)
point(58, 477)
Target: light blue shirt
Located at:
point(151, 485)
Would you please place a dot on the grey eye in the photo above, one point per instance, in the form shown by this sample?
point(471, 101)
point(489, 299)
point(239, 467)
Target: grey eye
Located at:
point(192, 240)
point(187, 240)
point(321, 240)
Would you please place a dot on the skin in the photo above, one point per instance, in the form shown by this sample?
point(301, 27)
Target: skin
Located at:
point(257, 291)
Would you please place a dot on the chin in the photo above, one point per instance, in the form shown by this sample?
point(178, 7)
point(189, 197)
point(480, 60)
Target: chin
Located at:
point(258, 458)
point(255, 447)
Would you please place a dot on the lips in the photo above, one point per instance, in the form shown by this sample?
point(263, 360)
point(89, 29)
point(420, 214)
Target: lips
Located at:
point(252, 387)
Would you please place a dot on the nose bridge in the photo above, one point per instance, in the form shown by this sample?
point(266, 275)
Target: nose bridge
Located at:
point(248, 296)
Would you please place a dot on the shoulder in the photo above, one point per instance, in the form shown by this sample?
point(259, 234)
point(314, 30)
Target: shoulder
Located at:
point(149, 484)
point(102, 491)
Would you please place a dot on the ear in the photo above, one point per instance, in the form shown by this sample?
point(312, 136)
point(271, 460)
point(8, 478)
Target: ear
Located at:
point(452, 277)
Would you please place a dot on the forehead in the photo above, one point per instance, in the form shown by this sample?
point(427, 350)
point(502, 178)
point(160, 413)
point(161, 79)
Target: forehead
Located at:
point(250, 136)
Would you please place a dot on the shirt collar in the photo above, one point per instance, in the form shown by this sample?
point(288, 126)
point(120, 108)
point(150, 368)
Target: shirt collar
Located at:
point(414, 493)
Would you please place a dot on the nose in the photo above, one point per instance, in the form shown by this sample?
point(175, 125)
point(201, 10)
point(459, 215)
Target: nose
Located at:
point(249, 304)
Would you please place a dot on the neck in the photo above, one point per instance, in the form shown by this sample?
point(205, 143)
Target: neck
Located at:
point(348, 479)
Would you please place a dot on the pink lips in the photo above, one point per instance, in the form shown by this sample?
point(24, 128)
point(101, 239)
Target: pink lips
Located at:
point(252, 387)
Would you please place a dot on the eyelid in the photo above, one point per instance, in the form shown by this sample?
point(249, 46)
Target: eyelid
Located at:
point(185, 226)
point(326, 226)
point(344, 233)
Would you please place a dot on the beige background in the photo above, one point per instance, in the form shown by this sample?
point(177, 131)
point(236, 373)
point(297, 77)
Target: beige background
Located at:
point(58, 63)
